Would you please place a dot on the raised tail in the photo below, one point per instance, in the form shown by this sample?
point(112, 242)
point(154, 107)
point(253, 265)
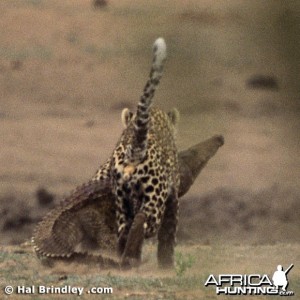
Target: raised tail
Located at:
point(141, 122)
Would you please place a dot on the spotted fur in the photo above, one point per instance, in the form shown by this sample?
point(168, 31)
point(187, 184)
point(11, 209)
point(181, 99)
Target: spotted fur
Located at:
point(143, 170)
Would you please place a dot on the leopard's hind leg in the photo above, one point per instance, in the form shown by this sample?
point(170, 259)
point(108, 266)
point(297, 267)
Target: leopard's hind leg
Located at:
point(167, 232)
point(133, 250)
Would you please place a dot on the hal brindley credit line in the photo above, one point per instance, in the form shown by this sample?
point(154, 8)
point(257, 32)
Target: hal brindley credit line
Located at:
point(66, 289)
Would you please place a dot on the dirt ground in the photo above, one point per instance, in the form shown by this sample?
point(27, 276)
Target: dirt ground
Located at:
point(19, 266)
point(67, 69)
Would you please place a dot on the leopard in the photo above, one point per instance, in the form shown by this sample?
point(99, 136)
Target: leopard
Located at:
point(144, 174)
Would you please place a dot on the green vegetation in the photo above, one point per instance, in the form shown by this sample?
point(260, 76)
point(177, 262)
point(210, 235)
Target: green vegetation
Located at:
point(182, 263)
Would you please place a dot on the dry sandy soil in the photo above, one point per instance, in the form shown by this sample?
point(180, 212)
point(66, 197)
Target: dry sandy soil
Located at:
point(19, 266)
point(67, 70)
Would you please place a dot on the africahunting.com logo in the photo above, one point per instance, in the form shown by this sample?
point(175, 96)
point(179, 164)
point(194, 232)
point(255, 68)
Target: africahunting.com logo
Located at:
point(252, 284)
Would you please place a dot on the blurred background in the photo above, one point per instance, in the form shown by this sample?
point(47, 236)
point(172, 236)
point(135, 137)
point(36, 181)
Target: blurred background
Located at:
point(68, 68)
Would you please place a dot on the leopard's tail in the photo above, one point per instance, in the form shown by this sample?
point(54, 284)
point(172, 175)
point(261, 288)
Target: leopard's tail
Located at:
point(141, 123)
